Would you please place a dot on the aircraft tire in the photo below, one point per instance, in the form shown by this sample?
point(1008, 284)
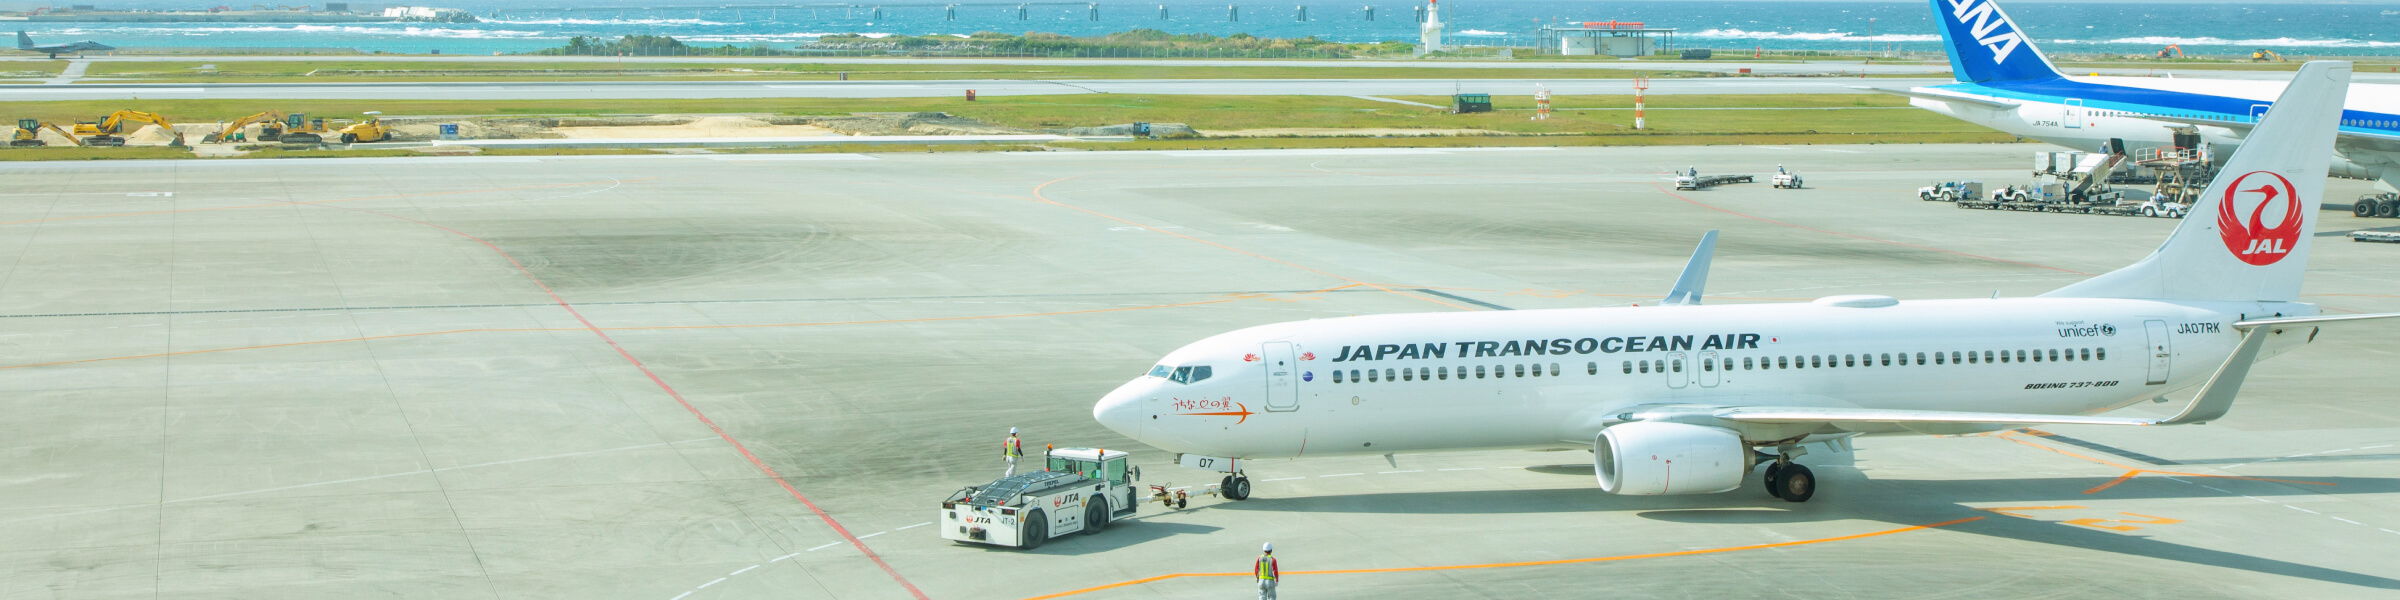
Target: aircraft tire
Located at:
point(1769, 480)
point(2387, 209)
point(1796, 483)
point(1036, 531)
point(1236, 488)
point(2364, 208)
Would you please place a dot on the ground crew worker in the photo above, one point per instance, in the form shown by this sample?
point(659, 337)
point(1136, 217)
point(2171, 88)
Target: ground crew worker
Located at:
point(1267, 572)
point(1012, 449)
point(1779, 169)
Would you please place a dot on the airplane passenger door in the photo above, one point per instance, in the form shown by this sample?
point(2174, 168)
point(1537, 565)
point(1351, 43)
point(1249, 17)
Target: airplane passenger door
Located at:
point(2257, 111)
point(2073, 119)
point(1708, 370)
point(1283, 387)
point(1678, 373)
point(2162, 356)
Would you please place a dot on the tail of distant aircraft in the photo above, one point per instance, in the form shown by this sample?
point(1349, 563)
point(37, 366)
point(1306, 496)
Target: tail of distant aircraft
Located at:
point(24, 42)
point(1985, 45)
point(2248, 237)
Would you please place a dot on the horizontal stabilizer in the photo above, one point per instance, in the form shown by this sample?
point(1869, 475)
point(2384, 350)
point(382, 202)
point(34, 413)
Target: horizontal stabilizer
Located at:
point(1941, 97)
point(2311, 320)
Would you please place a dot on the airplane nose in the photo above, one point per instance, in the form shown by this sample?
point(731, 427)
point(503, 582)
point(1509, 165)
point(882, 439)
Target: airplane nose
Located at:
point(1121, 410)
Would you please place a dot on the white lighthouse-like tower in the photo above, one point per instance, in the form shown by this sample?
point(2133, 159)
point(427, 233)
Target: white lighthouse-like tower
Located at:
point(1429, 36)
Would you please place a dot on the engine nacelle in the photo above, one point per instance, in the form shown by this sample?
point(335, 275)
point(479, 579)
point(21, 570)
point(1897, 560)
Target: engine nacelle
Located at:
point(1658, 459)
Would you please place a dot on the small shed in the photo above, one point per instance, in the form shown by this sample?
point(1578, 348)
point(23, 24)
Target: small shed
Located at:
point(1470, 103)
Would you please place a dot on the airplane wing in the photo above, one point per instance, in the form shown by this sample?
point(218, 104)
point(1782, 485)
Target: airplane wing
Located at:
point(1944, 97)
point(1787, 415)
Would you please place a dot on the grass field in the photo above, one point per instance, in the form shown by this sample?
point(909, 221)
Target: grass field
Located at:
point(373, 71)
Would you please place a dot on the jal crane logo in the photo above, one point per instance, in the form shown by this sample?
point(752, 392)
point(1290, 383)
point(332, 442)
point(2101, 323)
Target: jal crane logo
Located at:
point(2250, 202)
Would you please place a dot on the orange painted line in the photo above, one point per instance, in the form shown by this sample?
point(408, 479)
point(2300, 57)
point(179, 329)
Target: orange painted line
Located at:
point(2011, 510)
point(1537, 563)
point(2133, 471)
point(1044, 198)
point(650, 328)
point(297, 203)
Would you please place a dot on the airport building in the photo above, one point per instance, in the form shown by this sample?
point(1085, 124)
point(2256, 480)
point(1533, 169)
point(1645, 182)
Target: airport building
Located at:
point(1604, 38)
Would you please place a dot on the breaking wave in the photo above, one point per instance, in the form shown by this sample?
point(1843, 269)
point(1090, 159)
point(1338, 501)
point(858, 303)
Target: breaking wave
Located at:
point(390, 30)
point(2281, 42)
point(1480, 32)
point(563, 21)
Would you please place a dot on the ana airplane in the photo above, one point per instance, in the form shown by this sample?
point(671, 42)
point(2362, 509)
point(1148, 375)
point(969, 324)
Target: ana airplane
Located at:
point(2005, 83)
point(25, 43)
point(1674, 398)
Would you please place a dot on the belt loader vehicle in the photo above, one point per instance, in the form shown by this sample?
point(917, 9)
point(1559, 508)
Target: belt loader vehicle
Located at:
point(1079, 491)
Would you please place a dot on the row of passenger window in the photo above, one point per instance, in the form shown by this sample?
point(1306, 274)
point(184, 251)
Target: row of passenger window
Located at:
point(1825, 361)
point(1443, 373)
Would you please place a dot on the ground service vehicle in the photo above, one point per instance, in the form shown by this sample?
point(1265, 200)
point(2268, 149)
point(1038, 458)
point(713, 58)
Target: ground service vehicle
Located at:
point(1787, 181)
point(104, 131)
point(1694, 182)
point(29, 133)
point(1951, 191)
point(373, 130)
point(1081, 491)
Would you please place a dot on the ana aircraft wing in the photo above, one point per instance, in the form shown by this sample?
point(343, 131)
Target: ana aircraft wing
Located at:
point(1944, 97)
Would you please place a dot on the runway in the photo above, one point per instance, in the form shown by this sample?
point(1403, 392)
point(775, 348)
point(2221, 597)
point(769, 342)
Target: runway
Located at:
point(742, 376)
point(909, 89)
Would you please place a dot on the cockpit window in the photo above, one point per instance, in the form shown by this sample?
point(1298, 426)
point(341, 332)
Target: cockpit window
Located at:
point(1187, 375)
point(1161, 371)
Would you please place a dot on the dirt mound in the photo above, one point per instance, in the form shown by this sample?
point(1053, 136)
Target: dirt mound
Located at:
point(704, 127)
point(922, 123)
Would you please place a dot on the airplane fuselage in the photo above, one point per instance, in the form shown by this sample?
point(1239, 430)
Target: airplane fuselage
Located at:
point(2086, 112)
point(1394, 383)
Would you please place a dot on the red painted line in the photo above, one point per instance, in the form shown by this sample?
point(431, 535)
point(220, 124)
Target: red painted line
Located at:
point(678, 396)
point(1860, 237)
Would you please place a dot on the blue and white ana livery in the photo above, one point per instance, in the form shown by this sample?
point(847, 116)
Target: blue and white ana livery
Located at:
point(2005, 83)
point(1675, 397)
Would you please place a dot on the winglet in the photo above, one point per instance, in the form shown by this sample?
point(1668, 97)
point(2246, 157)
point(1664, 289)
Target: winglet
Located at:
point(1695, 273)
point(2217, 397)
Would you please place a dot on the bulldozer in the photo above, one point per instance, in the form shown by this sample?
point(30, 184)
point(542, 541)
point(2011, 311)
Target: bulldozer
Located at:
point(270, 128)
point(373, 130)
point(29, 133)
point(104, 132)
point(2264, 55)
point(299, 129)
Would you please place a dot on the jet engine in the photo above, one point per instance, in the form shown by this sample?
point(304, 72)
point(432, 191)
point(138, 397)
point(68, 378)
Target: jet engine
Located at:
point(1657, 459)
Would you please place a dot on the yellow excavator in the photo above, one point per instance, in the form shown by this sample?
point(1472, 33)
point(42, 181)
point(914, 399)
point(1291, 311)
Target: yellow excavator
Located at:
point(104, 132)
point(270, 128)
point(2264, 55)
point(29, 133)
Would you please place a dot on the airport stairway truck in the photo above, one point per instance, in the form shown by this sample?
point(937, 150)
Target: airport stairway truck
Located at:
point(1078, 491)
point(2076, 182)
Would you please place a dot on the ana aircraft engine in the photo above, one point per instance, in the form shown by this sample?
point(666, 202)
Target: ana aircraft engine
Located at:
point(1659, 459)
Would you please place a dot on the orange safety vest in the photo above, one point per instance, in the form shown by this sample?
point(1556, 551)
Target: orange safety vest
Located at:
point(1266, 568)
point(1012, 448)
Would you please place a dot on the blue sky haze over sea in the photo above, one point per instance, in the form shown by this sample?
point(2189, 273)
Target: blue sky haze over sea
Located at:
point(2059, 28)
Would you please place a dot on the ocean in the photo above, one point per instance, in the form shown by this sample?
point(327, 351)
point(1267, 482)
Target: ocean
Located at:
point(2088, 28)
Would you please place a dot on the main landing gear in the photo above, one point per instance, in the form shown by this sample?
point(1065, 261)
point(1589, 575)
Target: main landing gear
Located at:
point(1791, 481)
point(1234, 487)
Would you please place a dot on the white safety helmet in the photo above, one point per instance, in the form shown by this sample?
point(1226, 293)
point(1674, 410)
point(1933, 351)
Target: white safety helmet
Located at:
point(1012, 431)
point(1270, 547)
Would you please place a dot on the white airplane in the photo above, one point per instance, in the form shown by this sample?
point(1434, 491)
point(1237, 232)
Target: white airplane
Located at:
point(1674, 398)
point(2005, 83)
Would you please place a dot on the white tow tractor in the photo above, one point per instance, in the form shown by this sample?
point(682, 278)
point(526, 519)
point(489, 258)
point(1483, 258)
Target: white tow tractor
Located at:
point(1079, 490)
point(1785, 180)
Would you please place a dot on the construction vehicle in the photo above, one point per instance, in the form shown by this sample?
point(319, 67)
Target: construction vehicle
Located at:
point(104, 132)
point(299, 129)
point(373, 130)
point(270, 128)
point(2174, 49)
point(1080, 491)
point(29, 133)
point(2264, 55)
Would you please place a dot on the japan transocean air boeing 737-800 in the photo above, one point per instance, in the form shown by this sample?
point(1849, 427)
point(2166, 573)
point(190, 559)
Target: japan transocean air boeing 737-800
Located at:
point(2005, 83)
point(1688, 399)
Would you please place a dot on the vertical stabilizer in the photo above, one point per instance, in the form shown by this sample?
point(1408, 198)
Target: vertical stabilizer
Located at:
point(2248, 237)
point(24, 42)
point(1985, 45)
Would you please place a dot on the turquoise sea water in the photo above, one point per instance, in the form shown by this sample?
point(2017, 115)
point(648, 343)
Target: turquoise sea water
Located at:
point(2078, 28)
